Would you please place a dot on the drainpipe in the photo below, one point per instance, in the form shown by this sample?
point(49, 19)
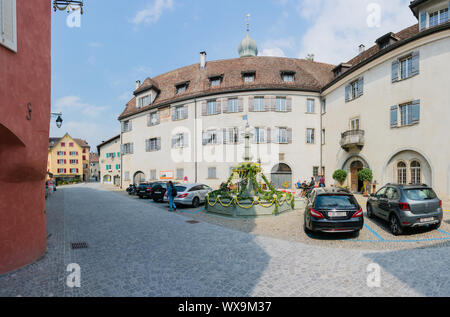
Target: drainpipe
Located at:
point(321, 136)
point(195, 142)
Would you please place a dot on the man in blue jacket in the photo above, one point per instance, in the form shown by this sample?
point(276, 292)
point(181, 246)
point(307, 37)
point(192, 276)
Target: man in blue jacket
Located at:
point(171, 194)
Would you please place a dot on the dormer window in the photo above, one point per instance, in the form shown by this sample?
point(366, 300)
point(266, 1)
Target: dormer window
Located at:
point(215, 81)
point(248, 77)
point(386, 40)
point(144, 101)
point(181, 88)
point(287, 76)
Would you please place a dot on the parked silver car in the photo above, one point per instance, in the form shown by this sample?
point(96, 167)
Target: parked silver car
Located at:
point(190, 194)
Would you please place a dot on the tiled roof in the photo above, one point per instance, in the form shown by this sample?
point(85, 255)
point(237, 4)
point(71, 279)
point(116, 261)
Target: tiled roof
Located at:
point(54, 141)
point(309, 76)
point(93, 157)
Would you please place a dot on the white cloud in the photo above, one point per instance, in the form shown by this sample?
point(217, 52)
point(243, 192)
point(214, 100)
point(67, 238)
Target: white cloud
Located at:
point(153, 11)
point(338, 27)
point(73, 104)
point(277, 47)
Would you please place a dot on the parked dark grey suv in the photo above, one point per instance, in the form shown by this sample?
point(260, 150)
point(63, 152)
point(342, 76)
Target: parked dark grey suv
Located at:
point(406, 206)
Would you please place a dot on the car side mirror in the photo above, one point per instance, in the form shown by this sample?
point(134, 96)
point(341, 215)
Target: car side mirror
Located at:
point(373, 195)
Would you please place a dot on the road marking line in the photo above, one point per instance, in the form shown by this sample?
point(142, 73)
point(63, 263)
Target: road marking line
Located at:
point(373, 231)
point(444, 232)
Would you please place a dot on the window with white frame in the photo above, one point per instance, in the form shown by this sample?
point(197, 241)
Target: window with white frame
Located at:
point(310, 105)
point(282, 135)
point(415, 173)
point(210, 137)
point(231, 135)
point(233, 105)
point(280, 105)
point(153, 174)
point(354, 124)
point(215, 81)
point(127, 126)
point(180, 173)
point(178, 113)
point(288, 77)
point(259, 135)
point(401, 173)
point(354, 90)
point(144, 101)
point(258, 104)
point(127, 148)
point(406, 67)
point(249, 78)
point(178, 141)
point(153, 144)
point(153, 119)
point(310, 136)
point(211, 107)
point(212, 173)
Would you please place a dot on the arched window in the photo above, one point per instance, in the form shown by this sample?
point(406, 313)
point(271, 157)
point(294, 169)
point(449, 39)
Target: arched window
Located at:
point(401, 173)
point(415, 173)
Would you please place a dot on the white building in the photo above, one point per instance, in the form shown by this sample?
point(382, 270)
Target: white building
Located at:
point(386, 109)
point(110, 161)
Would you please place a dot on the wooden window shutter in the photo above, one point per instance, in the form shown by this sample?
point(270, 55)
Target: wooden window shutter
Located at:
point(289, 104)
point(423, 20)
point(360, 86)
point(131, 148)
point(268, 136)
point(251, 104)
point(241, 104)
point(225, 135)
point(347, 93)
point(158, 144)
point(186, 112)
point(225, 106)
point(186, 140)
point(415, 111)
point(204, 108)
point(289, 135)
point(415, 63)
point(218, 106)
point(8, 24)
point(395, 65)
point(394, 116)
point(204, 140)
point(174, 113)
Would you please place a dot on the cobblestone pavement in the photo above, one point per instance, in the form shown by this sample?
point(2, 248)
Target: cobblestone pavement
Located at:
point(137, 248)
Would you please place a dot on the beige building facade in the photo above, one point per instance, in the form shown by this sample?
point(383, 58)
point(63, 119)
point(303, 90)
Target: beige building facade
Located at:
point(109, 161)
point(386, 109)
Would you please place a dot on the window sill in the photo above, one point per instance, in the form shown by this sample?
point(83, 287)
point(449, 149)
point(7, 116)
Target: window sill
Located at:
point(405, 125)
point(350, 100)
point(400, 79)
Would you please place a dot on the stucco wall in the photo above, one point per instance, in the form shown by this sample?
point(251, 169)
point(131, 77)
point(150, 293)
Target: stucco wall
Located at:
point(24, 79)
point(429, 138)
point(110, 147)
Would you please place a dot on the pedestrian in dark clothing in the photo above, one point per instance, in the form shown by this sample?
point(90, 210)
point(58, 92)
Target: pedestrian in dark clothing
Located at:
point(322, 181)
point(171, 194)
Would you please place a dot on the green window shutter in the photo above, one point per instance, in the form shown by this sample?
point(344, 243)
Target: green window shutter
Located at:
point(394, 116)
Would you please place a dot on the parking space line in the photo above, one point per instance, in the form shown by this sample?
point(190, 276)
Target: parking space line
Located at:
point(444, 232)
point(375, 233)
point(193, 212)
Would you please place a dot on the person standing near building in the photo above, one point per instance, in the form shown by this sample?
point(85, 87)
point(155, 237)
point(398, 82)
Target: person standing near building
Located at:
point(322, 181)
point(171, 194)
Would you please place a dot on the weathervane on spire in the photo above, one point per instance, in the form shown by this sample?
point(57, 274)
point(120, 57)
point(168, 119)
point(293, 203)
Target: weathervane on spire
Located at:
point(247, 18)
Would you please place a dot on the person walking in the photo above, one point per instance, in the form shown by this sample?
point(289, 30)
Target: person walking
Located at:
point(322, 181)
point(171, 194)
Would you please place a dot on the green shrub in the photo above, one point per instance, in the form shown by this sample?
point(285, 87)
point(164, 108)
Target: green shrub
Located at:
point(340, 176)
point(365, 175)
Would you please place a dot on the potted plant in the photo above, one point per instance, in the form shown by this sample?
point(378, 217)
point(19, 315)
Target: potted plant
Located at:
point(365, 175)
point(340, 176)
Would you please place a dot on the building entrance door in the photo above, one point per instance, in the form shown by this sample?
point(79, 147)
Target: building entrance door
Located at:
point(356, 184)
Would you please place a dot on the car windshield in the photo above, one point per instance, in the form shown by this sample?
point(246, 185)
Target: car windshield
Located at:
point(335, 201)
point(180, 189)
point(420, 194)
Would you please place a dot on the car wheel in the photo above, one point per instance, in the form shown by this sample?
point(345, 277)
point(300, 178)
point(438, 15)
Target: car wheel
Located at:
point(369, 211)
point(395, 226)
point(195, 202)
point(306, 229)
point(140, 197)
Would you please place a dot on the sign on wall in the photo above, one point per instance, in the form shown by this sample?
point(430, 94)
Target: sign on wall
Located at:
point(165, 175)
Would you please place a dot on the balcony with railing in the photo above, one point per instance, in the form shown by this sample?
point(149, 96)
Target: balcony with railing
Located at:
point(353, 139)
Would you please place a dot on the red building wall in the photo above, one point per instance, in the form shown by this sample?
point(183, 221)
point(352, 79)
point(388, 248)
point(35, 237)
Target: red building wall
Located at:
point(25, 78)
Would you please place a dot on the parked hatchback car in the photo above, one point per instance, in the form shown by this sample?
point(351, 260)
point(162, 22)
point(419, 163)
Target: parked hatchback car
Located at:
point(144, 190)
point(406, 206)
point(332, 210)
point(191, 194)
point(159, 190)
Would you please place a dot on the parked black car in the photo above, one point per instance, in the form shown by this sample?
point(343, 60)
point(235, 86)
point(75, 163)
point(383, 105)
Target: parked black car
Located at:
point(131, 190)
point(144, 190)
point(332, 210)
point(159, 190)
point(406, 206)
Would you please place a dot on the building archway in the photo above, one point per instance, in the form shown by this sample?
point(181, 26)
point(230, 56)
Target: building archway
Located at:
point(139, 177)
point(411, 165)
point(106, 179)
point(281, 175)
point(117, 180)
point(352, 166)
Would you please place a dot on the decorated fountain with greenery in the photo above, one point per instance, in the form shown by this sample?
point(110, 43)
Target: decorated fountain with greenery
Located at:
point(248, 192)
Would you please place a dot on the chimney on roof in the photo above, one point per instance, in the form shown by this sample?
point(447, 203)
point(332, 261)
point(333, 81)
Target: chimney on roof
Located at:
point(202, 60)
point(362, 48)
point(138, 84)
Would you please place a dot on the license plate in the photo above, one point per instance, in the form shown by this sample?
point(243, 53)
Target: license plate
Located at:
point(157, 192)
point(426, 219)
point(337, 214)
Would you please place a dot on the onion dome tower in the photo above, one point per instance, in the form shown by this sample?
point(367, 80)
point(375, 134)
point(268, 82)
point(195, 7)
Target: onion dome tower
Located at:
point(248, 46)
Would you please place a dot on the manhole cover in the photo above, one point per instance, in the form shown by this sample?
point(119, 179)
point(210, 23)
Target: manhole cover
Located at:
point(192, 222)
point(79, 245)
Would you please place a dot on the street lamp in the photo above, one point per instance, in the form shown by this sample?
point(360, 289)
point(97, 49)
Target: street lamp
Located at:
point(68, 4)
point(59, 120)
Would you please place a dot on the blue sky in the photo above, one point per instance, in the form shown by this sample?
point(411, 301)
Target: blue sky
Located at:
point(95, 66)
